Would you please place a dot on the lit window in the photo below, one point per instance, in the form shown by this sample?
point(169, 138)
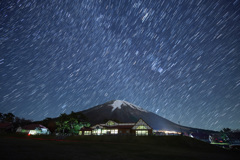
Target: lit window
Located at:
point(80, 132)
point(104, 131)
point(97, 131)
point(141, 133)
point(114, 131)
point(87, 133)
point(110, 131)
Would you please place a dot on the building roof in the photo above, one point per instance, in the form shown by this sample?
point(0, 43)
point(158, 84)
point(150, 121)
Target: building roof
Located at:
point(5, 125)
point(119, 127)
point(141, 122)
point(33, 126)
point(113, 125)
point(86, 129)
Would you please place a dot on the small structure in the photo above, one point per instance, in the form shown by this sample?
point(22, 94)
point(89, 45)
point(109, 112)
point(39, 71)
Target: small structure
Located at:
point(33, 129)
point(140, 128)
point(219, 140)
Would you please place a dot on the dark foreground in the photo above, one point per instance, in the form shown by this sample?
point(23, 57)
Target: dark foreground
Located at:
point(112, 148)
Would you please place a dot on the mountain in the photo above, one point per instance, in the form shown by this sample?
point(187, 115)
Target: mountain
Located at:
point(126, 112)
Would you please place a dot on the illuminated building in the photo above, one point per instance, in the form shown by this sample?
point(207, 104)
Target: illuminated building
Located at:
point(140, 128)
point(33, 129)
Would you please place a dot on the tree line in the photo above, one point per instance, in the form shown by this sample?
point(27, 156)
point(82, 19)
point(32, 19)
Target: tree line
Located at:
point(10, 117)
point(13, 120)
point(66, 124)
point(72, 123)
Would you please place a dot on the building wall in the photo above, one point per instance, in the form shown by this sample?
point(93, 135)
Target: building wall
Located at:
point(124, 131)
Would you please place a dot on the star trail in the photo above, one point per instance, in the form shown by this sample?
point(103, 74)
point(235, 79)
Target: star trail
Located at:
point(177, 58)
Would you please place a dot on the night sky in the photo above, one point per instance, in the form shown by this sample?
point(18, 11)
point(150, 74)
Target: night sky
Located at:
point(177, 58)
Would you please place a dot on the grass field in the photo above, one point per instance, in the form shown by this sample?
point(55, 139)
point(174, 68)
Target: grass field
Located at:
point(110, 148)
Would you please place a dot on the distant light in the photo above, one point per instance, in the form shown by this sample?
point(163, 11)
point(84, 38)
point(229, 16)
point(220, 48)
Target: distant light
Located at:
point(167, 132)
point(32, 132)
point(160, 70)
point(64, 106)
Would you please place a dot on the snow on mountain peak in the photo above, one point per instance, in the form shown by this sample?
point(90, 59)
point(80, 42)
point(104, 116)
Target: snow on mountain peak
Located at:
point(118, 104)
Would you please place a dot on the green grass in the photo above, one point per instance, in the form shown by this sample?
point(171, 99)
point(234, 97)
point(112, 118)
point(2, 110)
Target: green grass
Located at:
point(221, 143)
point(110, 147)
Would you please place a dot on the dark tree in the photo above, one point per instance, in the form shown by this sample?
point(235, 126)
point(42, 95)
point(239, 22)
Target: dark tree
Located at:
point(62, 123)
point(9, 117)
point(46, 121)
point(226, 130)
point(1, 117)
point(52, 126)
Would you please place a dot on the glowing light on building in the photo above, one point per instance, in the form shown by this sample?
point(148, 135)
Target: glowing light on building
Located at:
point(167, 132)
point(32, 132)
